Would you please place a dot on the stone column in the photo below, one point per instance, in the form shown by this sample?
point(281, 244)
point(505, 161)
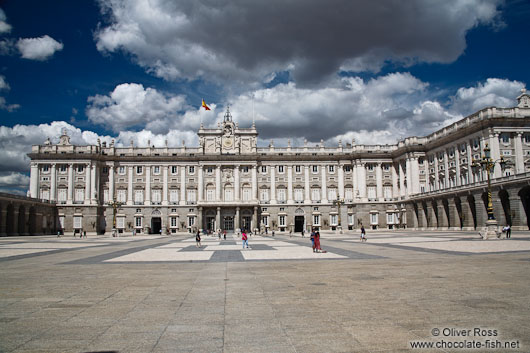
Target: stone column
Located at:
point(218, 218)
point(442, 216)
point(93, 186)
point(255, 224)
point(458, 180)
point(147, 185)
point(254, 183)
point(408, 176)
point(53, 189)
point(34, 181)
point(395, 187)
point(454, 217)
point(200, 187)
point(519, 219)
point(467, 214)
point(324, 183)
point(130, 200)
point(341, 180)
point(236, 219)
point(218, 183)
point(290, 184)
point(519, 158)
point(88, 183)
point(422, 217)
point(447, 184)
point(182, 185)
point(379, 181)
point(199, 218)
point(361, 180)
point(306, 180)
point(480, 209)
point(469, 162)
point(401, 180)
point(70, 184)
point(433, 217)
point(414, 182)
point(111, 183)
point(165, 172)
point(237, 187)
point(355, 179)
point(495, 154)
point(273, 184)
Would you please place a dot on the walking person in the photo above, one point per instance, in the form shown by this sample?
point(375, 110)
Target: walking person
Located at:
point(508, 231)
point(244, 238)
point(224, 234)
point(219, 233)
point(303, 232)
point(313, 234)
point(198, 239)
point(363, 233)
point(317, 242)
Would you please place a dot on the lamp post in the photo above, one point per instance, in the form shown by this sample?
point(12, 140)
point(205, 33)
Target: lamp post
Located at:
point(487, 164)
point(338, 203)
point(115, 205)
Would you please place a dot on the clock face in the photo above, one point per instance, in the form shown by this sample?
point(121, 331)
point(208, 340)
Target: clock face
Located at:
point(227, 143)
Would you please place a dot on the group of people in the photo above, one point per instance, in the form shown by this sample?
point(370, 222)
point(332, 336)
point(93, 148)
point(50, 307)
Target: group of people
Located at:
point(315, 240)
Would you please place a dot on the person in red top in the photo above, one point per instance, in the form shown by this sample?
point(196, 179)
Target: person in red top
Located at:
point(244, 238)
point(317, 242)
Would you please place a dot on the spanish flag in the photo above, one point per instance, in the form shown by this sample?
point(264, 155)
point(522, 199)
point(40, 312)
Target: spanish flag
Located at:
point(204, 105)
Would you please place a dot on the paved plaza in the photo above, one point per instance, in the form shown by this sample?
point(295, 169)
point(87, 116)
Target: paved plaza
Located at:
point(397, 291)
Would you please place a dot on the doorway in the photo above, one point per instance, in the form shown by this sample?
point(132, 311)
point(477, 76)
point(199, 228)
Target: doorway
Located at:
point(228, 223)
point(156, 225)
point(246, 223)
point(210, 224)
point(298, 223)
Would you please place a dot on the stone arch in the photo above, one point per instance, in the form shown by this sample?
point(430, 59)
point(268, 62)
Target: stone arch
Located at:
point(21, 220)
point(445, 204)
point(524, 194)
point(426, 214)
point(471, 202)
point(459, 212)
point(156, 212)
point(32, 221)
point(10, 219)
point(299, 211)
point(505, 202)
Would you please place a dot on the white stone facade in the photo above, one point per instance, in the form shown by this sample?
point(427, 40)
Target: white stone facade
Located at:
point(228, 182)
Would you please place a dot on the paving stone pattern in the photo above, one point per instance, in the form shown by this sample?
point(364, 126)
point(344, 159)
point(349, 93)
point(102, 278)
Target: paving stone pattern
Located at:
point(163, 294)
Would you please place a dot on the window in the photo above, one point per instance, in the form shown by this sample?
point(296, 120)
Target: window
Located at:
point(506, 152)
point(174, 222)
point(156, 196)
point(505, 138)
point(246, 193)
point(374, 218)
point(389, 218)
point(386, 167)
point(281, 221)
point(315, 169)
point(122, 196)
point(156, 170)
point(191, 221)
point(121, 170)
point(387, 192)
point(174, 169)
point(139, 170)
point(191, 169)
point(264, 169)
point(45, 194)
point(80, 168)
point(526, 138)
point(209, 170)
point(331, 169)
point(265, 220)
point(280, 169)
point(210, 193)
point(298, 194)
point(173, 196)
point(229, 194)
point(78, 221)
point(281, 195)
point(79, 195)
point(347, 168)
point(332, 194)
point(62, 168)
point(138, 197)
point(297, 169)
point(61, 222)
point(371, 192)
point(370, 166)
point(138, 222)
point(316, 220)
point(264, 195)
point(350, 219)
point(192, 195)
point(106, 196)
point(315, 194)
point(348, 194)
point(333, 220)
point(120, 222)
point(105, 170)
point(45, 168)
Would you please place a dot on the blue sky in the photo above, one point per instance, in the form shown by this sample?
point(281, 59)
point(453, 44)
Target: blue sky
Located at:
point(137, 69)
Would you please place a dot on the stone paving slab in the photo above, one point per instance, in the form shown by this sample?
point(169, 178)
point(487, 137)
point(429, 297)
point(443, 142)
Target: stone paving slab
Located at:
point(134, 296)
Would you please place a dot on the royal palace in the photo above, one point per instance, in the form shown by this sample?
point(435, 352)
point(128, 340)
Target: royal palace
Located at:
point(439, 181)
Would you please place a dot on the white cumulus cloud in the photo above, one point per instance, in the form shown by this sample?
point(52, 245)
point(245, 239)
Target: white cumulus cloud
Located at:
point(41, 48)
point(240, 41)
point(4, 26)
